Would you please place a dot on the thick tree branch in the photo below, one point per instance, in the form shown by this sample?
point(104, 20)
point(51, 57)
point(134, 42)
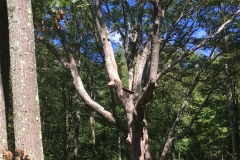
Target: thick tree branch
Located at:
point(109, 58)
point(72, 67)
point(155, 48)
point(141, 62)
point(112, 70)
point(131, 49)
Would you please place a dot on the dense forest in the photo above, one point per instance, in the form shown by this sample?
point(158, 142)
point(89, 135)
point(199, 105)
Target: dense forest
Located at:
point(119, 79)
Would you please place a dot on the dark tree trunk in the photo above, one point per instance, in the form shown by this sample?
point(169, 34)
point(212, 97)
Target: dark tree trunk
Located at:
point(236, 112)
point(77, 126)
point(4, 76)
point(3, 131)
point(231, 114)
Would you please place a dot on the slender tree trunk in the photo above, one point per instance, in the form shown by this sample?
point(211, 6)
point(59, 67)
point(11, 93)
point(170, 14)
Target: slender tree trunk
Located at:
point(92, 122)
point(4, 52)
point(66, 133)
point(231, 114)
point(104, 139)
point(27, 125)
point(4, 76)
point(77, 126)
point(119, 148)
point(3, 131)
point(66, 122)
point(236, 113)
point(173, 150)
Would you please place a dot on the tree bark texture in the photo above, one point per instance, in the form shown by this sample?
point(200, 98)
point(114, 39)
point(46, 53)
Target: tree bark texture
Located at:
point(27, 125)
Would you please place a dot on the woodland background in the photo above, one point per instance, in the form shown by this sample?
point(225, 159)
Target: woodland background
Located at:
point(195, 105)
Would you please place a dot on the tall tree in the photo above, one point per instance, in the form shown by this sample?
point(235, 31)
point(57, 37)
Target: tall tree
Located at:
point(151, 32)
point(27, 125)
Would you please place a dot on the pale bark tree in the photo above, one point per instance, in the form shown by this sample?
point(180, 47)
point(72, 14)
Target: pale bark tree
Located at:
point(143, 67)
point(119, 148)
point(92, 122)
point(27, 125)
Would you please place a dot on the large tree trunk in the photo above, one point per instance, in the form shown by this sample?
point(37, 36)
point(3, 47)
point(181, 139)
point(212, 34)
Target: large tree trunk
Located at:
point(138, 136)
point(27, 125)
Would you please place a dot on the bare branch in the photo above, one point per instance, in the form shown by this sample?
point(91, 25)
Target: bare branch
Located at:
point(166, 68)
point(155, 47)
point(54, 51)
point(181, 135)
point(171, 136)
point(114, 20)
point(182, 15)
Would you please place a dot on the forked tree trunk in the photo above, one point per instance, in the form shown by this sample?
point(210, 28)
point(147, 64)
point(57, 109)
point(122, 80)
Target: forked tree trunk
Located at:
point(139, 146)
point(139, 150)
point(27, 125)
